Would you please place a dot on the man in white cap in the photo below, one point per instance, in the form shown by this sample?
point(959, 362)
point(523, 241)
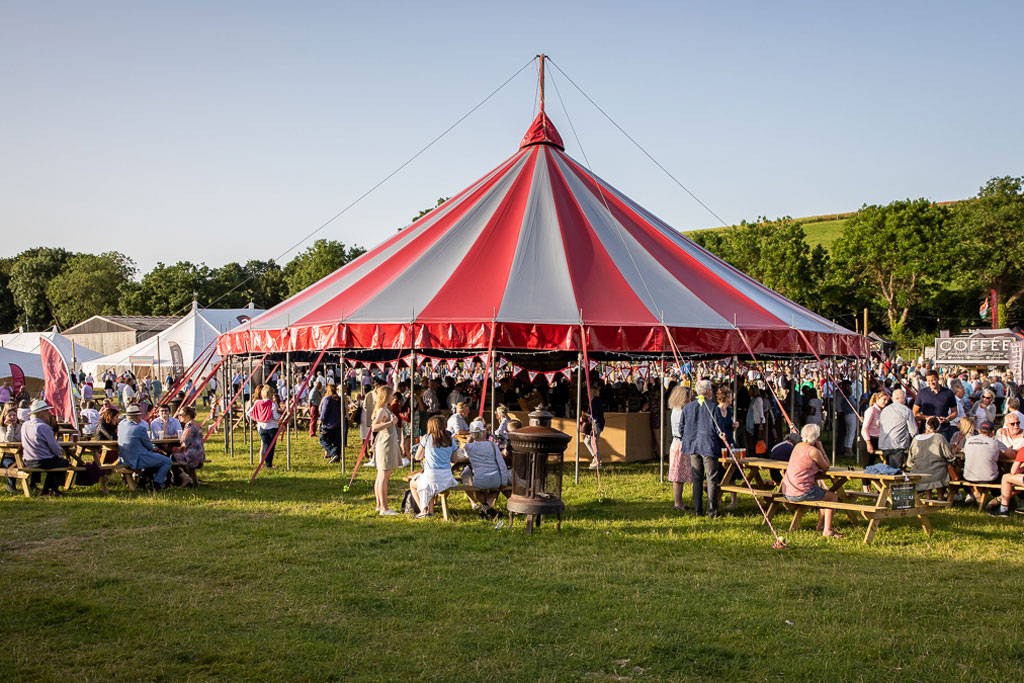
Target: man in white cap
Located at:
point(40, 448)
point(135, 449)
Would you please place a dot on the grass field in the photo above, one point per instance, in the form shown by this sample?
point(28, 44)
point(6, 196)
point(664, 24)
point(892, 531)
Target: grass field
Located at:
point(290, 579)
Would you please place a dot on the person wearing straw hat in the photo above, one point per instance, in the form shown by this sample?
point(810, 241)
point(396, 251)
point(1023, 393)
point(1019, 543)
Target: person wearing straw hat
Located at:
point(135, 449)
point(40, 448)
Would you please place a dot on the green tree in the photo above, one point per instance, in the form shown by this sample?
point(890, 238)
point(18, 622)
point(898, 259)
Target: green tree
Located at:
point(893, 255)
point(990, 238)
point(30, 275)
point(424, 212)
point(316, 262)
point(773, 252)
point(8, 309)
point(167, 290)
point(89, 285)
point(267, 286)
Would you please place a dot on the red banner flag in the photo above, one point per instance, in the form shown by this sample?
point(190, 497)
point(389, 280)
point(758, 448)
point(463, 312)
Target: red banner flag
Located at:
point(57, 382)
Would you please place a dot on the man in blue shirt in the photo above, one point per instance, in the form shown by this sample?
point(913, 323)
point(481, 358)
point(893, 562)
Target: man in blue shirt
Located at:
point(936, 400)
point(136, 450)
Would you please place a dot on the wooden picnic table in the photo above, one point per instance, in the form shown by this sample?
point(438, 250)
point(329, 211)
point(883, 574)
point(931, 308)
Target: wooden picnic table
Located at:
point(874, 506)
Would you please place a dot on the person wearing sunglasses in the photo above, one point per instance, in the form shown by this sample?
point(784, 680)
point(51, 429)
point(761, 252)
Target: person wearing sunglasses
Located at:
point(1013, 436)
point(985, 408)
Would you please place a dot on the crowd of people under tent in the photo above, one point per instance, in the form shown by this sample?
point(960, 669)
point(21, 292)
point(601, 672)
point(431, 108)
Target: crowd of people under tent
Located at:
point(906, 414)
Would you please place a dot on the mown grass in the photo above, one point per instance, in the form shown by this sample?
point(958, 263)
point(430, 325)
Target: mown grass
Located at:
point(291, 579)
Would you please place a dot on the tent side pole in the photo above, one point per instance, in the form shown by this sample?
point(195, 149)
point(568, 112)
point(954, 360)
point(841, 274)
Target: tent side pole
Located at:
point(490, 371)
point(249, 423)
point(288, 421)
point(792, 392)
point(735, 393)
point(579, 406)
point(661, 427)
point(228, 419)
point(412, 413)
point(832, 415)
point(342, 384)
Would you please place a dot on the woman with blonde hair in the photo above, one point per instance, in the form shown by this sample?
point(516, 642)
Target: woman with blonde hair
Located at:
point(966, 431)
point(386, 449)
point(678, 462)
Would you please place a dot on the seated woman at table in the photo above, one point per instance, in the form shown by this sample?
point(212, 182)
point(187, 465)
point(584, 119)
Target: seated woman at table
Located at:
point(800, 483)
point(435, 450)
point(929, 455)
point(9, 422)
point(191, 452)
point(501, 431)
point(965, 431)
point(11, 426)
point(106, 429)
point(486, 470)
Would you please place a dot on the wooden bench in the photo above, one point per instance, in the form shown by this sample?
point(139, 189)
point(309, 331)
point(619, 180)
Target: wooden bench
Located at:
point(981, 492)
point(443, 496)
point(22, 473)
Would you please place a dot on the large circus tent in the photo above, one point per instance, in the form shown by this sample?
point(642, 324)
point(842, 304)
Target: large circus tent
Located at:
point(540, 254)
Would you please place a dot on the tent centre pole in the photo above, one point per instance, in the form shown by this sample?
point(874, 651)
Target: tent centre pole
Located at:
point(579, 406)
point(661, 428)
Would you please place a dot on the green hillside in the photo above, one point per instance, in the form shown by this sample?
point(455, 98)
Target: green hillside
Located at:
point(823, 230)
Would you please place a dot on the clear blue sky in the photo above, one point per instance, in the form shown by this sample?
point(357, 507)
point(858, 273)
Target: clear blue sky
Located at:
point(223, 131)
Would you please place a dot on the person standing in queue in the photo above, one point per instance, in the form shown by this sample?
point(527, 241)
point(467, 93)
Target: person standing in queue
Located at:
point(266, 412)
point(330, 424)
point(387, 452)
point(701, 442)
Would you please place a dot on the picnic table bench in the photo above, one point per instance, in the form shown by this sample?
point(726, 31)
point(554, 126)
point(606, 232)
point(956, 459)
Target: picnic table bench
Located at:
point(103, 453)
point(873, 506)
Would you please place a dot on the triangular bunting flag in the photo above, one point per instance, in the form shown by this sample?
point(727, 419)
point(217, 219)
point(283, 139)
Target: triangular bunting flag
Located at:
point(434, 362)
point(550, 377)
point(451, 362)
point(408, 360)
point(514, 369)
point(567, 372)
point(532, 374)
point(593, 364)
point(502, 362)
point(642, 371)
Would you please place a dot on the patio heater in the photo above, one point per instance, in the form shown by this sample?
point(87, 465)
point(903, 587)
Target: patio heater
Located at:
point(537, 460)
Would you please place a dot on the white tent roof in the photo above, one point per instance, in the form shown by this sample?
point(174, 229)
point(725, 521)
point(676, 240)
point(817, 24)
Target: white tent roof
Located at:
point(31, 364)
point(29, 343)
point(192, 335)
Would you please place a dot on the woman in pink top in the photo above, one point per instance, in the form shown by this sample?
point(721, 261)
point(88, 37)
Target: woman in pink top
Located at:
point(800, 483)
point(872, 424)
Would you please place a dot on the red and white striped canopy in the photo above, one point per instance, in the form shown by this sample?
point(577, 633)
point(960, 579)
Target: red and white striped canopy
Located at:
point(540, 254)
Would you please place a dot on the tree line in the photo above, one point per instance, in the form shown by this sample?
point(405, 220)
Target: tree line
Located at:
point(917, 266)
point(44, 286)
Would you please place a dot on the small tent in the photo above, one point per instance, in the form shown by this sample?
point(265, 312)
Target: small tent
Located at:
point(29, 343)
point(177, 347)
point(18, 365)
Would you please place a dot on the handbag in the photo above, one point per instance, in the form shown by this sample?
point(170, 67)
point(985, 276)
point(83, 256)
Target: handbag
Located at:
point(506, 476)
point(409, 505)
point(761, 448)
point(586, 428)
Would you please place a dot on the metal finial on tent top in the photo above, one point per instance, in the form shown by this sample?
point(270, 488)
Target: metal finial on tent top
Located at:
point(542, 57)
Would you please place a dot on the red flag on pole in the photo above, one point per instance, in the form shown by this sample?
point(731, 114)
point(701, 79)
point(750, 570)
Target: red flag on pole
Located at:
point(57, 382)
